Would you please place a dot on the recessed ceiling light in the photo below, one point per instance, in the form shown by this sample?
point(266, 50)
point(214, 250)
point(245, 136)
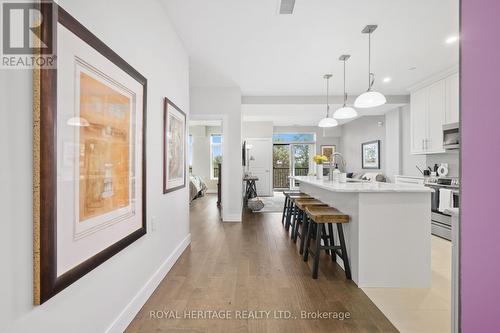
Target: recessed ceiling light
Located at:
point(451, 39)
point(386, 79)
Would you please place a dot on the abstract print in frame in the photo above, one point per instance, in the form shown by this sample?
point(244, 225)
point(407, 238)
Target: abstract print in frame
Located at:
point(174, 147)
point(89, 158)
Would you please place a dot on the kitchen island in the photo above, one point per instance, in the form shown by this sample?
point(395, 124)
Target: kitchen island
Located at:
point(389, 235)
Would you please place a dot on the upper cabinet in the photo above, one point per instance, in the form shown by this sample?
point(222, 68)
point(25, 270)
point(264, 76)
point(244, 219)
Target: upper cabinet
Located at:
point(432, 106)
point(452, 99)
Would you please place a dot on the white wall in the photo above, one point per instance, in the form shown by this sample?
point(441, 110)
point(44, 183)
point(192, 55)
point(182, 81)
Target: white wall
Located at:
point(393, 147)
point(224, 103)
point(201, 153)
point(355, 133)
point(146, 40)
point(257, 129)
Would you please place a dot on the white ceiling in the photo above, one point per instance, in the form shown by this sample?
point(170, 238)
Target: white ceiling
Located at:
point(247, 44)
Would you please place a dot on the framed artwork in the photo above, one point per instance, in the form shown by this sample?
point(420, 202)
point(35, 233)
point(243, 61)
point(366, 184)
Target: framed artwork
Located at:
point(89, 174)
point(370, 155)
point(328, 150)
point(174, 147)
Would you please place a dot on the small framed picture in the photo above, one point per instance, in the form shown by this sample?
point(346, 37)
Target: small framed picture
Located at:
point(370, 155)
point(328, 150)
point(174, 147)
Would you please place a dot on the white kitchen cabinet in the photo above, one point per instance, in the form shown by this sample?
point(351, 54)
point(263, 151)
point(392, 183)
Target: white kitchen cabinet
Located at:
point(436, 117)
point(418, 120)
point(452, 99)
point(432, 106)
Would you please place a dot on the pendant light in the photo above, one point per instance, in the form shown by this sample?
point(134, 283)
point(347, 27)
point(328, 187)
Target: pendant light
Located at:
point(345, 112)
point(370, 98)
point(327, 121)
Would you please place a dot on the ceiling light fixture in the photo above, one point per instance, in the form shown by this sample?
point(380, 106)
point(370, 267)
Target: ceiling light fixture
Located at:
point(345, 112)
point(327, 121)
point(387, 80)
point(370, 98)
point(451, 39)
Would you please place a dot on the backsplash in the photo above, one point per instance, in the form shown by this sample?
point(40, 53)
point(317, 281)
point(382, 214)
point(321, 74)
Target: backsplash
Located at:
point(452, 158)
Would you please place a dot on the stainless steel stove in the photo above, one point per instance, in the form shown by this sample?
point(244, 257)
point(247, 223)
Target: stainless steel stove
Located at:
point(441, 222)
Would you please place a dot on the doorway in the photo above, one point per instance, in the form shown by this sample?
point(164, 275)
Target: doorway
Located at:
point(290, 159)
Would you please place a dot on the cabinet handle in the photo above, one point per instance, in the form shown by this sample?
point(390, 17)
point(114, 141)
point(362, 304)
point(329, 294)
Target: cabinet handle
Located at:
point(423, 144)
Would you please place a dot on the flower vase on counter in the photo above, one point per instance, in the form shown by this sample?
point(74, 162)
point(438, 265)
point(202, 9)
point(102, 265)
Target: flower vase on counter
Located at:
point(319, 160)
point(319, 171)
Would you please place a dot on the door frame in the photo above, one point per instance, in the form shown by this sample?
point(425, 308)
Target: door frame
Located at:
point(270, 166)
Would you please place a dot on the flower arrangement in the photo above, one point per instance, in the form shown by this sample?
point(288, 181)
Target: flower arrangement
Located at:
point(320, 159)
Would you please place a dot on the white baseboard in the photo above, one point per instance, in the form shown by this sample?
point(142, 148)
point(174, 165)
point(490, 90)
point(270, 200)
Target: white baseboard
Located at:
point(128, 314)
point(231, 217)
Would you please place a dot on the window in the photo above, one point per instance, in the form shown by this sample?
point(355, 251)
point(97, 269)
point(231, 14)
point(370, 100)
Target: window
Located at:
point(294, 137)
point(215, 155)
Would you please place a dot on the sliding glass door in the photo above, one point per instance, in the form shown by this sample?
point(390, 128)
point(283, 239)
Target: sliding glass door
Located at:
point(290, 159)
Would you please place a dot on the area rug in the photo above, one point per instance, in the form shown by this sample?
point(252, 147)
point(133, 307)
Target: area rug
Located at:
point(272, 204)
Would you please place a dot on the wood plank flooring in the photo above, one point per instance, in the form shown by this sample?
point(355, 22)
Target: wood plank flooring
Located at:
point(254, 266)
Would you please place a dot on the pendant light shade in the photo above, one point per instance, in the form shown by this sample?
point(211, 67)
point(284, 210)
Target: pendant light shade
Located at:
point(370, 98)
point(327, 121)
point(78, 122)
point(345, 112)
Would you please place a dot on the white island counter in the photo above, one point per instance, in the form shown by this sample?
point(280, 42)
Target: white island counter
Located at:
point(389, 235)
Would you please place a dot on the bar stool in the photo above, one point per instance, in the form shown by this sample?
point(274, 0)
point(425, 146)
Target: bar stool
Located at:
point(320, 216)
point(299, 219)
point(285, 205)
point(291, 207)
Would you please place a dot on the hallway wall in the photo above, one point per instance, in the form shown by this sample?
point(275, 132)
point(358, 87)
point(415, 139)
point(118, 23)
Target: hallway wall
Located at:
point(143, 36)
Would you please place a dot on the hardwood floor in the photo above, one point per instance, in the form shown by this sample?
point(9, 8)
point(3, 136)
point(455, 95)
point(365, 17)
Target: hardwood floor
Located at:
point(254, 266)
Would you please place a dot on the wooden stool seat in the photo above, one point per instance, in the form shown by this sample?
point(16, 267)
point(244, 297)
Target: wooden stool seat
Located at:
point(299, 195)
point(303, 203)
point(326, 215)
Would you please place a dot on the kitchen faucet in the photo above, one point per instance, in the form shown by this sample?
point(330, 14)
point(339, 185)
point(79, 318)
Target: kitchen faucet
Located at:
point(332, 164)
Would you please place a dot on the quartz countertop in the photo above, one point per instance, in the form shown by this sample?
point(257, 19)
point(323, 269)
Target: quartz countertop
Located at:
point(361, 187)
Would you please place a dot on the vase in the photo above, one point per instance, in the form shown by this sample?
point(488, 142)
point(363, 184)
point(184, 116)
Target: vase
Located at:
point(319, 171)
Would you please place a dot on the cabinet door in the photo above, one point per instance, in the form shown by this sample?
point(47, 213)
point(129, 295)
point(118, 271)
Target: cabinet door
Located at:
point(418, 120)
point(452, 99)
point(436, 117)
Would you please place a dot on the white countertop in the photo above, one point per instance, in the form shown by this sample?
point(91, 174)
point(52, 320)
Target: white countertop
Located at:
point(361, 187)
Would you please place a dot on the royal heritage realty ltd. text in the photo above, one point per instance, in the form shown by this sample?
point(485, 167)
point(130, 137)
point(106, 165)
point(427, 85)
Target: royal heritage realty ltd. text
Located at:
point(248, 314)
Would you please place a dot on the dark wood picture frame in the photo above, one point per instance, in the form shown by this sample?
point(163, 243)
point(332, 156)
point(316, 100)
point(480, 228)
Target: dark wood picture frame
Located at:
point(363, 157)
point(166, 103)
point(46, 283)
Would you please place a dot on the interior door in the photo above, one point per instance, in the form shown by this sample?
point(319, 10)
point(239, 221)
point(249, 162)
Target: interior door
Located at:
point(260, 163)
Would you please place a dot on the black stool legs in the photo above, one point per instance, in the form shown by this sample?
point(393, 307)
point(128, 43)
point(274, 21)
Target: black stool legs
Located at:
point(335, 250)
